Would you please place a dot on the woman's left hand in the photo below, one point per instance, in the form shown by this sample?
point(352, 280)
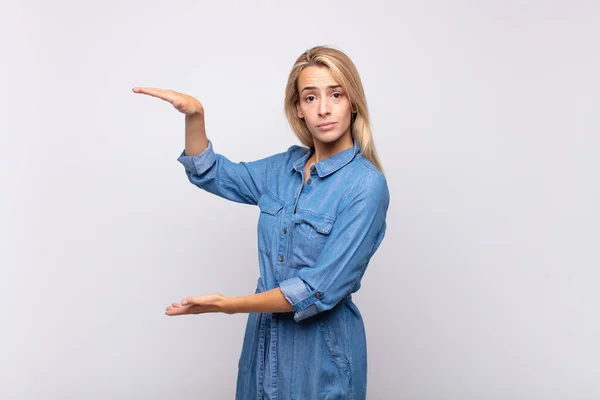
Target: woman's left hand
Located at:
point(207, 303)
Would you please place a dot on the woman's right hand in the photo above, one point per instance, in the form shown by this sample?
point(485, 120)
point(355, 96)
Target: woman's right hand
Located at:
point(182, 102)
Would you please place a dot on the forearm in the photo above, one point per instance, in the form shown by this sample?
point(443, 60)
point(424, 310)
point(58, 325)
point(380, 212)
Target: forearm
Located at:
point(195, 134)
point(269, 301)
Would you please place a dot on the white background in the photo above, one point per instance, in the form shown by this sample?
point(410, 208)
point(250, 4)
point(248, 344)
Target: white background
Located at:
point(485, 116)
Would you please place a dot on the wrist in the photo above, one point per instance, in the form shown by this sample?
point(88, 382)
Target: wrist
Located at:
point(198, 115)
point(227, 305)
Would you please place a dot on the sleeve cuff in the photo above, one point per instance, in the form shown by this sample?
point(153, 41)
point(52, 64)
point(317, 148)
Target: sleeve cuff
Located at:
point(300, 297)
point(198, 164)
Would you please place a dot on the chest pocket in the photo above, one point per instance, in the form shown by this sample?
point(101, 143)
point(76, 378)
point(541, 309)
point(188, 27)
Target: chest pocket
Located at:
point(311, 231)
point(270, 209)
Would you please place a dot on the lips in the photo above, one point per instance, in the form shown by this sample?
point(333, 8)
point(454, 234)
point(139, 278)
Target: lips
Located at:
point(324, 124)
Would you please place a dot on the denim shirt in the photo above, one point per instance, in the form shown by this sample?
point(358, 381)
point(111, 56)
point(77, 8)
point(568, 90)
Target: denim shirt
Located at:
point(315, 240)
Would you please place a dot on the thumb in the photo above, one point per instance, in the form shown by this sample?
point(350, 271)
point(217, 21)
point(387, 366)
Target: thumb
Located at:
point(187, 300)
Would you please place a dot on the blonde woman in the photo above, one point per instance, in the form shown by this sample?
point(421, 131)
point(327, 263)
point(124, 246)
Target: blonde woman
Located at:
point(323, 211)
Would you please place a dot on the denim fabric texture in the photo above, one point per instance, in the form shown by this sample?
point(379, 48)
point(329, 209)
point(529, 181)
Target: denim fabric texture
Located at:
point(315, 240)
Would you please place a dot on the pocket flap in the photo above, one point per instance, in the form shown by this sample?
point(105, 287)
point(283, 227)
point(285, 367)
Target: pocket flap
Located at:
point(322, 223)
point(269, 203)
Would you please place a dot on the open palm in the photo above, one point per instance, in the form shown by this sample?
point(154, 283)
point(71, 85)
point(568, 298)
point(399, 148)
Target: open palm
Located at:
point(197, 305)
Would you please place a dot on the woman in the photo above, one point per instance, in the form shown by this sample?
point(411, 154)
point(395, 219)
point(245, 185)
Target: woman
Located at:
point(322, 217)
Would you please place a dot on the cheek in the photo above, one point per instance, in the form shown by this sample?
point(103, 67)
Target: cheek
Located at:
point(346, 112)
point(306, 112)
point(344, 108)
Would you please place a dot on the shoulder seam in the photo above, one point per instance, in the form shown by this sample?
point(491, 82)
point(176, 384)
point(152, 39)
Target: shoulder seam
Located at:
point(368, 164)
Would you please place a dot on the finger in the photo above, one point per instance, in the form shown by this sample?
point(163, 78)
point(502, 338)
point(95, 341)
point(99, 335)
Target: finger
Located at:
point(163, 94)
point(175, 305)
point(188, 300)
point(172, 311)
point(148, 90)
point(175, 311)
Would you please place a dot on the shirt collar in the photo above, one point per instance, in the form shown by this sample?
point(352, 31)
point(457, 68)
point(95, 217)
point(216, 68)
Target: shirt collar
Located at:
point(331, 164)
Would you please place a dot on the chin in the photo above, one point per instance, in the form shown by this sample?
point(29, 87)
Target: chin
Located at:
point(326, 137)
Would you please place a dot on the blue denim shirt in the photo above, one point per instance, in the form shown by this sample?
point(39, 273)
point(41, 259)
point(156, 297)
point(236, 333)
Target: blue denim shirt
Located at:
point(315, 240)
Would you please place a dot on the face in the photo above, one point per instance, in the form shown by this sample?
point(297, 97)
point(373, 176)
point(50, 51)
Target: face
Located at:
point(323, 105)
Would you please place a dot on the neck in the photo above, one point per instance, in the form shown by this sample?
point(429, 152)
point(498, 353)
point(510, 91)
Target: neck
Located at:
point(325, 150)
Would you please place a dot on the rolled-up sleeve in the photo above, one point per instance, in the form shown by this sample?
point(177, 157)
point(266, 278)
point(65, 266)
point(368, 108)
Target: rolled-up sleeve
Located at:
point(198, 165)
point(242, 182)
point(355, 236)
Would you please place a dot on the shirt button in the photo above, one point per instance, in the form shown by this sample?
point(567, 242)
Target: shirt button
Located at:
point(312, 168)
point(284, 230)
point(318, 295)
point(309, 181)
point(280, 258)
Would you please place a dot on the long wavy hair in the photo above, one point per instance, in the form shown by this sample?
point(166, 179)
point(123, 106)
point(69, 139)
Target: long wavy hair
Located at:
point(345, 73)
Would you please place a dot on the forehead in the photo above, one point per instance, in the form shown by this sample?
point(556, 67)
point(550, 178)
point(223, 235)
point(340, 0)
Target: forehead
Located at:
point(316, 76)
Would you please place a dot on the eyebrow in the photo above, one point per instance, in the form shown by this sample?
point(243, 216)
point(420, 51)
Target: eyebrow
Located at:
point(314, 87)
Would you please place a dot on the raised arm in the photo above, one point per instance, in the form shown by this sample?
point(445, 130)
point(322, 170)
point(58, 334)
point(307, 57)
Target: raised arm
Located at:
point(242, 182)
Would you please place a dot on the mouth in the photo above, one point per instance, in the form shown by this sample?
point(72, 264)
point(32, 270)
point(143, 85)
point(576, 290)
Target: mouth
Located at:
point(326, 124)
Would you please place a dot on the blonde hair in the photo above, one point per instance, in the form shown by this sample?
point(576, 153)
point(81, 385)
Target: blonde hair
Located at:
point(345, 73)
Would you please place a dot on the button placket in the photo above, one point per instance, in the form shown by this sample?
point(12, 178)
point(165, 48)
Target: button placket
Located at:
point(312, 171)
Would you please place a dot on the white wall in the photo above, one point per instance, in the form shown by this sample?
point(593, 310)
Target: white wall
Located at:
point(485, 115)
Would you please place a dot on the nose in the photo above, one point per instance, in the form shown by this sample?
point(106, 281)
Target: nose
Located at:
point(324, 108)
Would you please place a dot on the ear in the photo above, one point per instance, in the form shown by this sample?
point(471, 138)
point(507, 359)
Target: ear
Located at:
point(298, 112)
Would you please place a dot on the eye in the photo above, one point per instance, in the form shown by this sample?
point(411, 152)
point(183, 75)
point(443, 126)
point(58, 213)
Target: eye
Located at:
point(308, 97)
point(339, 95)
